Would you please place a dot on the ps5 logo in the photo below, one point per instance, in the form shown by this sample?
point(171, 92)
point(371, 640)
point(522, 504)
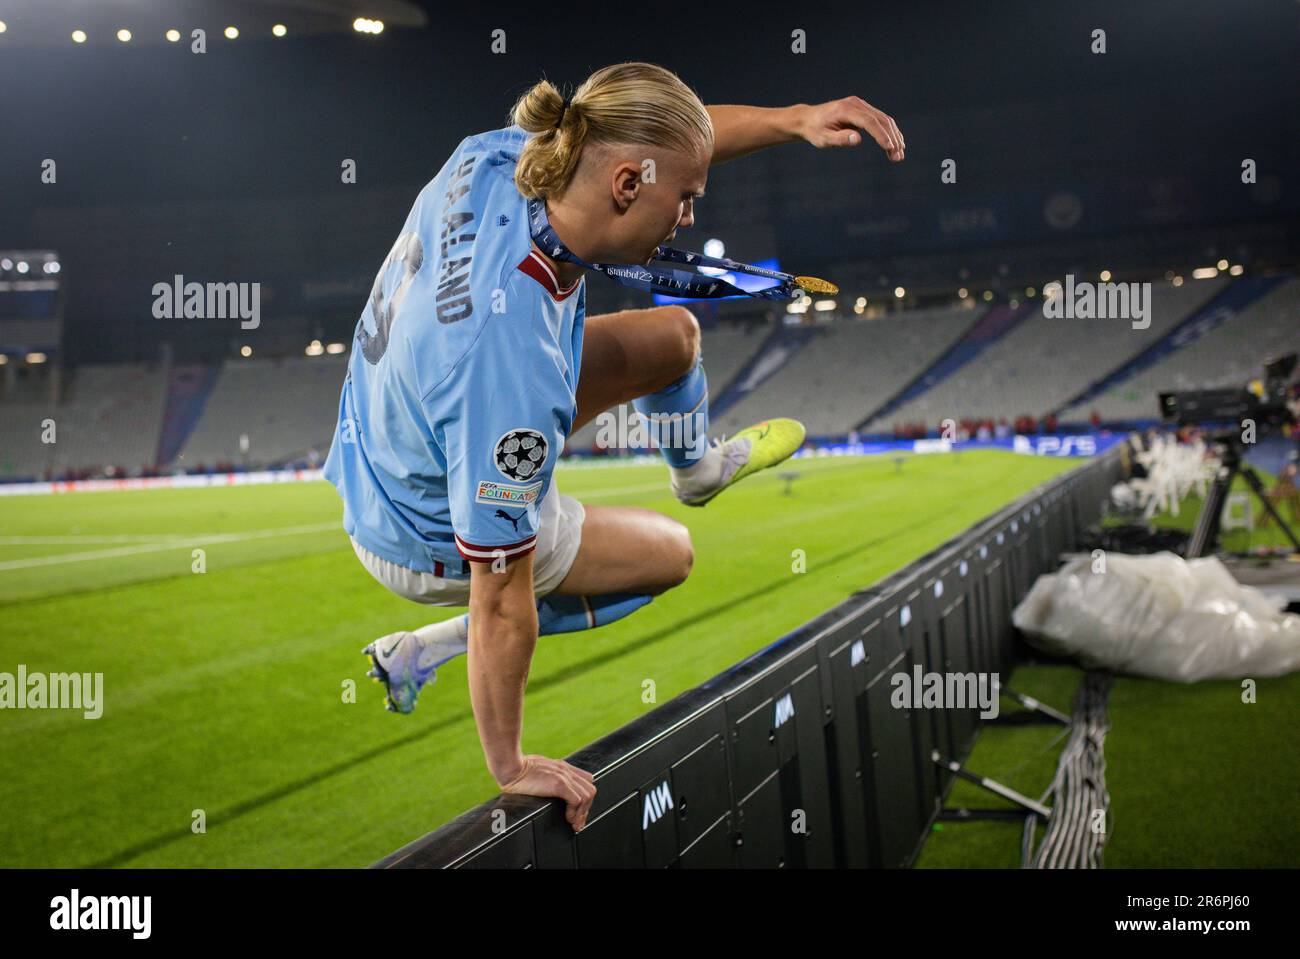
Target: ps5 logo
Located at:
point(784, 710)
point(1056, 445)
point(657, 803)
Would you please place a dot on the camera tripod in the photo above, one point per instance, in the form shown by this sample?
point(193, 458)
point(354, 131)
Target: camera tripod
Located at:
point(1207, 524)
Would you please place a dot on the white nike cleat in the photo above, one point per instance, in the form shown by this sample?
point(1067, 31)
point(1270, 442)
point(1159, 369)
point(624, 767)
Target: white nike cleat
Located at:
point(405, 667)
point(698, 485)
point(754, 448)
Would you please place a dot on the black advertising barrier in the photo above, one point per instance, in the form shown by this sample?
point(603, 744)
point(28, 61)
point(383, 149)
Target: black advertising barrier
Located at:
point(797, 756)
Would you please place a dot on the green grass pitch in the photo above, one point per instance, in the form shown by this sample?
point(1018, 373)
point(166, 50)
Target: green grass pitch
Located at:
point(224, 690)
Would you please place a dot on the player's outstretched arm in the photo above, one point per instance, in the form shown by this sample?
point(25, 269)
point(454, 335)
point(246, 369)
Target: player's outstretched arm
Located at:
point(502, 636)
point(741, 130)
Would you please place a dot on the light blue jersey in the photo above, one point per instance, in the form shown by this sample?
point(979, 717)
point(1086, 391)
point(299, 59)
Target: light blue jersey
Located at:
point(461, 386)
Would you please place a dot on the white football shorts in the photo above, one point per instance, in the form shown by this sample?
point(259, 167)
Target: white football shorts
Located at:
point(559, 535)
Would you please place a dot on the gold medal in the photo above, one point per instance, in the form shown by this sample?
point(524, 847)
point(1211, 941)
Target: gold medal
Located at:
point(812, 284)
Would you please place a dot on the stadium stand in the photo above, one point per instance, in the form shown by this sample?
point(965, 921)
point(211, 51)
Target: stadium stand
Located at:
point(1043, 362)
point(22, 454)
point(852, 368)
point(1230, 355)
point(983, 333)
point(109, 416)
point(286, 408)
point(129, 419)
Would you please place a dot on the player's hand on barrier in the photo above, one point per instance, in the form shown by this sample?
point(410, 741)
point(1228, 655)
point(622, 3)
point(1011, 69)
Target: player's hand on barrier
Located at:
point(836, 124)
point(556, 778)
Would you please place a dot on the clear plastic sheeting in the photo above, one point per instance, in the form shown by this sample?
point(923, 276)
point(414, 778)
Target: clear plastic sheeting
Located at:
point(1159, 616)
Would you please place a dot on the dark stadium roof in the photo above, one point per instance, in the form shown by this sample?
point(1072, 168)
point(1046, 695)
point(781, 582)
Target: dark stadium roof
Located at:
point(40, 23)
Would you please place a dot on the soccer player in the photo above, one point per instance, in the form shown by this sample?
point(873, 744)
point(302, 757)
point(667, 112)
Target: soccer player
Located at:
point(474, 360)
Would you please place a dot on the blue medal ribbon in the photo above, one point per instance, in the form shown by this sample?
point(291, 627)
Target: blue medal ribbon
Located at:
point(656, 279)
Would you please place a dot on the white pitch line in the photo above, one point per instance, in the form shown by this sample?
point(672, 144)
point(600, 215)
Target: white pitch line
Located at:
point(189, 542)
point(87, 539)
point(162, 547)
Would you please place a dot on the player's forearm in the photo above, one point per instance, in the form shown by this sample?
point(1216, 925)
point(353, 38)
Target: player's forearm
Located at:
point(741, 130)
point(502, 636)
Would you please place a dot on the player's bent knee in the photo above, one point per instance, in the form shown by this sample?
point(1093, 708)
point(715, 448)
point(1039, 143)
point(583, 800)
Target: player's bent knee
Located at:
point(673, 558)
point(681, 557)
point(687, 561)
point(685, 347)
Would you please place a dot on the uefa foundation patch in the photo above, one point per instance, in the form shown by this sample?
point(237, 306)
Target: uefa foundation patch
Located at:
point(508, 493)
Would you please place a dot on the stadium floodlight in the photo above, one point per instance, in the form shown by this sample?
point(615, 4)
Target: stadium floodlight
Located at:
point(1030, 292)
point(3, 26)
point(78, 36)
point(173, 35)
point(6, 264)
point(245, 351)
point(988, 296)
point(715, 248)
point(1204, 273)
point(899, 292)
point(279, 30)
point(22, 266)
point(314, 348)
point(36, 357)
point(1105, 276)
point(4, 358)
point(124, 35)
point(335, 348)
point(821, 306)
point(1177, 281)
point(1222, 265)
point(963, 293)
point(231, 33)
point(1236, 269)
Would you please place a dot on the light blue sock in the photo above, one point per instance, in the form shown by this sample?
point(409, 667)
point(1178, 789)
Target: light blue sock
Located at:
point(677, 417)
point(570, 614)
point(555, 614)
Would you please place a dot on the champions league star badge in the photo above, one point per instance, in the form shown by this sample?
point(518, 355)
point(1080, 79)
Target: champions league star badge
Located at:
point(520, 453)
